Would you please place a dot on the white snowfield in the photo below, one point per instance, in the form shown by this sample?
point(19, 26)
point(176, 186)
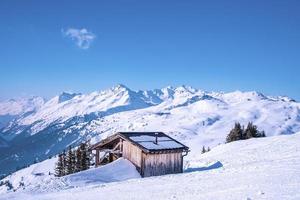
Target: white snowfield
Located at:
point(20, 106)
point(40, 177)
point(261, 168)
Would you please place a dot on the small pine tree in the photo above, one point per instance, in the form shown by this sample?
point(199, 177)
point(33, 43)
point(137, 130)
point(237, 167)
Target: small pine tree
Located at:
point(9, 185)
point(88, 154)
point(208, 149)
point(238, 133)
point(59, 169)
point(83, 156)
point(85, 160)
point(251, 131)
point(235, 134)
point(262, 134)
point(203, 150)
point(70, 161)
point(64, 163)
point(78, 160)
point(21, 183)
point(73, 160)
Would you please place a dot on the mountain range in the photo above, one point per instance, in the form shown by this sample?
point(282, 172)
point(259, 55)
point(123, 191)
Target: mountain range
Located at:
point(33, 129)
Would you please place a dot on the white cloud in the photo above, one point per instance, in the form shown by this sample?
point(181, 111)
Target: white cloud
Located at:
point(82, 37)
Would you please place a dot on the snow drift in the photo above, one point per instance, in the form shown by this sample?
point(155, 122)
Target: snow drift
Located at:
point(40, 177)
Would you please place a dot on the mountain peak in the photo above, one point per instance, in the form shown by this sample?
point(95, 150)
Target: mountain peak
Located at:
point(65, 96)
point(184, 88)
point(121, 87)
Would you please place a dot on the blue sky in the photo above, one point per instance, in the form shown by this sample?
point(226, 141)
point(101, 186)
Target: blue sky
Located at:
point(213, 45)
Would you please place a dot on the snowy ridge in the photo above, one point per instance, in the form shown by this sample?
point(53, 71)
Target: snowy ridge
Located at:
point(15, 108)
point(20, 106)
point(79, 105)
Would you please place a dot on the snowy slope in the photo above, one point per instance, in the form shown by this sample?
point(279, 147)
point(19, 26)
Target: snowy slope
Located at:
point(100, 103)
point(14, 108)
point(192, 116)
point(20, 106)
point(261, 168)
point(40, 177)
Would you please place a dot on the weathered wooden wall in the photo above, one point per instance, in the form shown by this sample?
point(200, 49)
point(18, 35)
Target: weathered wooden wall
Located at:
point(160, 164)
point(153, 164)
point(132, 153)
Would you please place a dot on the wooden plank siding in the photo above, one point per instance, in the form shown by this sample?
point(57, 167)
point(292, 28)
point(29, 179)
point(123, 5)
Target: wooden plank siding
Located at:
point(160, 164)
point(133, 153)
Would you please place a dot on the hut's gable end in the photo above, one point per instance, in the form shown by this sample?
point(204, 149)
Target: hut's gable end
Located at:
point(160, 164)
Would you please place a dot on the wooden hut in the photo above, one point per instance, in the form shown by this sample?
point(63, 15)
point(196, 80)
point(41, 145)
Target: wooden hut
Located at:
point(153, 153)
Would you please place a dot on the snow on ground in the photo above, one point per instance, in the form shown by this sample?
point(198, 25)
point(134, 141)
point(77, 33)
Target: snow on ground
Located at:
point(40, 177)
point(32, 175)
point(118, 170)
point(261, 168)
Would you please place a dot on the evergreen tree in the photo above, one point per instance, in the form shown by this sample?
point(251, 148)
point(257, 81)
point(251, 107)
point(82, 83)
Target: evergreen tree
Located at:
point(203, 150)
point(262, 134)
point(237, 133)
point(59, 169)
point(64, 163)
point(251, 131)
point(208, 149)
point(70, 161)
point(73, 160)
point(9, 185)
point(88, 154)
point(85, 156)
point(78, 166)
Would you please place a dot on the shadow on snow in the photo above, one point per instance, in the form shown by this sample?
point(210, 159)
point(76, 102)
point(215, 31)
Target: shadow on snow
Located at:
point(216, 165)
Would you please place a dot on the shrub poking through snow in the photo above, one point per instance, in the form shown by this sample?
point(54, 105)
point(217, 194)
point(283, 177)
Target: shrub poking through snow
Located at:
point(205, 150)
point(239, 133)
point(9, 185)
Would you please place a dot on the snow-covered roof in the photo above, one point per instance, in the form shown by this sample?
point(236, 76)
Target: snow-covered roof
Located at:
point(148, 141)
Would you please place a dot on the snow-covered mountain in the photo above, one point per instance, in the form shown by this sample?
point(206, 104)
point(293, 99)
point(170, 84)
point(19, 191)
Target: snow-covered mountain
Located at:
point(193, 116)
point(13, 108)
point(258, 168)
